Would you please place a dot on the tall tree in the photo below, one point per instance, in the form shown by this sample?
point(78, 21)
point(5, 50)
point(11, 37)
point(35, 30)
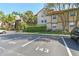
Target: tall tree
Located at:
point(9, 19)
point(1, 16)
point(2, 19)
point(29, 18)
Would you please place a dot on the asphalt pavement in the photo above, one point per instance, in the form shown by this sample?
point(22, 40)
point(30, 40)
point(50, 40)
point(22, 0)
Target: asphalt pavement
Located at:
point(18, 44)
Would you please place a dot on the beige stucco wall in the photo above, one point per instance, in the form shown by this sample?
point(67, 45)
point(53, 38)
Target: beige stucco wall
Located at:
point(72, 18)
point(48, 26)
point(48, 19)
point(67, 20)
point(78, 24)
point(48, 22)
point(55, 20)
point(41, 17)
point(60, 26)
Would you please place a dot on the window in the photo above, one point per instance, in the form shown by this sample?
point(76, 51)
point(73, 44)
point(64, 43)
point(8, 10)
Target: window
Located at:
point(54, 16)
point(71, 24)
point(54, 25)
point(45, 21)
point(42, 21)
point(72, 13)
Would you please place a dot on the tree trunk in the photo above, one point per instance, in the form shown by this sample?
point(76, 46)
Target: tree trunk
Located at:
point(62, 19)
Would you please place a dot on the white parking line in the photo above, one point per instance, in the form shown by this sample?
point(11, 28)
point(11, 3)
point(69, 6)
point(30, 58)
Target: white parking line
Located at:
point(37, 48)
point(30, 42)
point(46, 50)
point(68, 50)
point(12, 42)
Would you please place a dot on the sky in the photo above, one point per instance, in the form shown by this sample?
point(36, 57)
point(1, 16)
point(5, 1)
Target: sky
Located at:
point(20, 7)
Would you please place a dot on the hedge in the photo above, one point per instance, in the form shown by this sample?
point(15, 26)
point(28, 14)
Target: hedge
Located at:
point(35, 29)
point(2, 28)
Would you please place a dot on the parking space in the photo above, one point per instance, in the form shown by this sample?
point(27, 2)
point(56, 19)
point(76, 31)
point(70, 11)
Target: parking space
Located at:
point(73, 46)
point(37, 45)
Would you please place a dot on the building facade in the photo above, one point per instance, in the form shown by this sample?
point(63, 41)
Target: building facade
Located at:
point(41, 17)
point(63, 20)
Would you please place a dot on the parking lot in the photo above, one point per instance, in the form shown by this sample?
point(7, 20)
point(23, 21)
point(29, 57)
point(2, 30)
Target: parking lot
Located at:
point(17, 44)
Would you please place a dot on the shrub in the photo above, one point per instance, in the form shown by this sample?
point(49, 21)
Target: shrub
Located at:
point(35, 29)
point(55, 32)
point(23, 25)
point(1, 28)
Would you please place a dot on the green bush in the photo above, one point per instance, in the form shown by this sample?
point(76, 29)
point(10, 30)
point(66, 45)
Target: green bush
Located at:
point(55, 32)
point(35, 29)
point(2, 28)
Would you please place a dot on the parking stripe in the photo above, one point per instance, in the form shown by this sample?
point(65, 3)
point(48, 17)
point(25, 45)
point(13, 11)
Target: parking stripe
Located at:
point(68, 50)
point(30, 42)
point(12, 42)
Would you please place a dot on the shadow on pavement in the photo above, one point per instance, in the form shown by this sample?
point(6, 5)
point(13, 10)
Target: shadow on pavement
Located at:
point(70, 43)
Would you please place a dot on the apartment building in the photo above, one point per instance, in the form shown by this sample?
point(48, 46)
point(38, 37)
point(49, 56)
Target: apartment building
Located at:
point(41, 17)
point(63, 20)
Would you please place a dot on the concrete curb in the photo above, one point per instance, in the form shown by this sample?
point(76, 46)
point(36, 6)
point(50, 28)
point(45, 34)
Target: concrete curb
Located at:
point(47, 34)
point(39, 33)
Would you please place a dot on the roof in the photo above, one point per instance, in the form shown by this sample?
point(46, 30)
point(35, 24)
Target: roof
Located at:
point(71, 9)
point(51, 11)
point(43, 9)
point(39, 11)
point(54, 12)
point(60, 12)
